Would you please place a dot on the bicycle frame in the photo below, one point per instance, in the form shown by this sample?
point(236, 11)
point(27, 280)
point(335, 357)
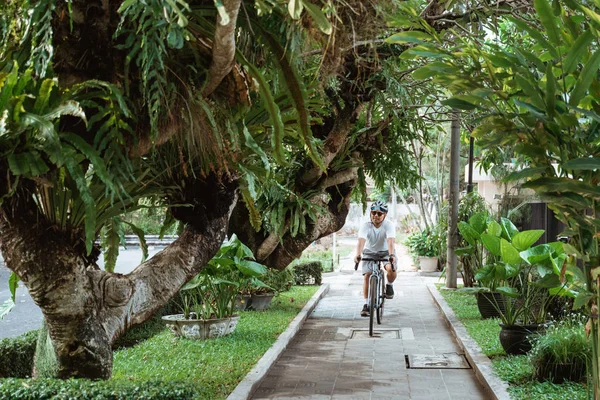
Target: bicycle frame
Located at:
point(376, 297)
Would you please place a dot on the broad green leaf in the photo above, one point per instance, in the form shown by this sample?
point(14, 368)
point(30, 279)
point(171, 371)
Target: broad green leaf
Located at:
point(582, 164)
point(524, 173)
point(548, 281)
point(589, 72)
point(141, 237)
point(319, 17)
point(6, 307)
point(486, 273)
point(423, 73)
point(494, 229)
point(544, 10)
point(468, 233)
point(295, 8)
point(460, 104)
point(270, 104)
point(563, 186)
point(251, 268)
point(577, 50)
point(550, 90)
point(536, 35)
point(13, 284)
point(478, 221)
point(594, 17)
point(251, 144)
point(43, 96)
point(544, 270)
point(423, 50)
point(409, 37)
point(558, 248)
point(492, 243)
point(524, 240)
point(464, 251)
point(508, 291)
point(581, 300)
point(508, 228)
point(536, 254)
point(509, 253)
point(111, 239)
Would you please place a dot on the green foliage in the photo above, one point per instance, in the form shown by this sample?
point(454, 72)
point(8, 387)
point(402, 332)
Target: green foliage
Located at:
point(565, 342)
point(16, 355)
point(277, 281)
point(308, 273)
point(45, 362)
point(516, 370)
point(15, 389)
point(423, 244)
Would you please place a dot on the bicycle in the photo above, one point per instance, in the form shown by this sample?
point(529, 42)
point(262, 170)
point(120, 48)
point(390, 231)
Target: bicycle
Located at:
point(376, 284)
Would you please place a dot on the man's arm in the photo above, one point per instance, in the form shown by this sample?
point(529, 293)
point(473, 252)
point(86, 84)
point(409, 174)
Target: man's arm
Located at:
point(359, 248)
point(391, 242)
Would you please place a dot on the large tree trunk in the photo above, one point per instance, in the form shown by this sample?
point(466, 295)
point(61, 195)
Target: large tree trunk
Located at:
point(86, 309)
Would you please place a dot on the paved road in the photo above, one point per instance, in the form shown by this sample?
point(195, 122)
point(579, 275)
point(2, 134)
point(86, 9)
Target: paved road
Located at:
point(26, 315)
point(332, 356)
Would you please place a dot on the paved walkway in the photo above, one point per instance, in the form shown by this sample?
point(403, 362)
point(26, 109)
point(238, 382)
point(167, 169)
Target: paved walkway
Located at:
point(332, 357)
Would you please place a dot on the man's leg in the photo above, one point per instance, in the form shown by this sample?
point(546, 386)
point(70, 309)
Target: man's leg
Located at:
point(365, 309)
point(391, 277)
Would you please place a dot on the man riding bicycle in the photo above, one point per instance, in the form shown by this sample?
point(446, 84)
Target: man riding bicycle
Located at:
point(376, 239)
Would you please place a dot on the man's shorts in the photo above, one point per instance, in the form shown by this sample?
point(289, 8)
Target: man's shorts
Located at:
point(370, 266)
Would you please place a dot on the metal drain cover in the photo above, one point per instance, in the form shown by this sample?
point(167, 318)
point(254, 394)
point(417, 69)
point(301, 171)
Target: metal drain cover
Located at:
point(439, 361)
point(377, 334)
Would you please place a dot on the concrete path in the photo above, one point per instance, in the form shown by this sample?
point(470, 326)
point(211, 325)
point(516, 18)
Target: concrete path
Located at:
point(332, 357)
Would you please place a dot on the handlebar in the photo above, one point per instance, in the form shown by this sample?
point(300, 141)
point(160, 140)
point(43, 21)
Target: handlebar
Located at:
point(376, 260)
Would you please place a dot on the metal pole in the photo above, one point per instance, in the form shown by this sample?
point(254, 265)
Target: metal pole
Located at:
point(451, 268)
point(470, 183)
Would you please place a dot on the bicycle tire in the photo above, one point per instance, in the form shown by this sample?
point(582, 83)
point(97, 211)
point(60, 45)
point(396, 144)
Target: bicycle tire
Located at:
point(381, 301)
point(372, 302)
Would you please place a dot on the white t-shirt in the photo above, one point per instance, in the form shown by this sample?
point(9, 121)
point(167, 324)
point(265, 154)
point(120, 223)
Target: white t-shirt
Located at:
point(377, 237)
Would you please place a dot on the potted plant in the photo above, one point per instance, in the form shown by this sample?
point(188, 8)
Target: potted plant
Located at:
point(563, 352)
point(530, 293)
point(207, 305)
point(423, 246)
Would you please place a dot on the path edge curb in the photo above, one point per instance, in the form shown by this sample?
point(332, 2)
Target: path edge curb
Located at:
point(250, 383)
point(480, 363)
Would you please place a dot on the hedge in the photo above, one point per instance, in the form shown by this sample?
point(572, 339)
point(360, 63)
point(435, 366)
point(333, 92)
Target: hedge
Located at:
point(308, 273)
point(16, 355)
point(81, 389)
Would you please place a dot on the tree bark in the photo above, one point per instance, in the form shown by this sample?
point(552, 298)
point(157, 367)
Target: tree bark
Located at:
point(87, 309)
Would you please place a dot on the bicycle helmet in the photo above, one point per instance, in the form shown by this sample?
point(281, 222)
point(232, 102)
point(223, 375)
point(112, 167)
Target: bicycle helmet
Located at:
point(379, 206)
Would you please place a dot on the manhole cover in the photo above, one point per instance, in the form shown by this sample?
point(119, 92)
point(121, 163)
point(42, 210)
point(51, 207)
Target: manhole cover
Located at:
point(377, 334)
point(439, 361)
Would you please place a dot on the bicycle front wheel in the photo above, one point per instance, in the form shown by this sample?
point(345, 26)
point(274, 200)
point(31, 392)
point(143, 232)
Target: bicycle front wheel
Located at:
point(373, 293)
point(381, 295)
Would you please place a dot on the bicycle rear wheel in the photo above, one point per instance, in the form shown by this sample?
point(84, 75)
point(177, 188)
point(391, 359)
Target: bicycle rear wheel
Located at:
point(373, 293)
point(381, 294)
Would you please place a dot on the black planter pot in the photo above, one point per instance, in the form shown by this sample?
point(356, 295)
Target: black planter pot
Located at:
point(515, 338)
point(561, 372)
point(490, 304)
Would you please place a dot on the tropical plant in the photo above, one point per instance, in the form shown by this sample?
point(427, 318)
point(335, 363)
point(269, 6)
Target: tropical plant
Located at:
point(470, 204)
point(423, 244)
point(208, 296)
point(536, 93)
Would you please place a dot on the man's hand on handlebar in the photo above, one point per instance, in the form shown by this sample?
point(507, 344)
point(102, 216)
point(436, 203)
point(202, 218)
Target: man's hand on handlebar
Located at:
point(356, 261)
point(392, 260)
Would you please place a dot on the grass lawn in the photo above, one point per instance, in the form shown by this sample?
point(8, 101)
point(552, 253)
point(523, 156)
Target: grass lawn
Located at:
point(162, 367)
point(215, 365)
point(516, 370)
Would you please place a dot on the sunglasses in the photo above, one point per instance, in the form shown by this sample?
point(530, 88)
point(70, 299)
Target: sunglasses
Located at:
point(377, 213)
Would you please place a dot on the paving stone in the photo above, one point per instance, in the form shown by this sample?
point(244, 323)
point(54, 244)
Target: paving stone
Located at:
point(322, 362)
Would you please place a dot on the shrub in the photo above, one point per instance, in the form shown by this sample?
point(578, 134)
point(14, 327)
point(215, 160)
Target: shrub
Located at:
point(16, 355)
point(422, 244)
point(308, 273)
point(563, 346)
point(15, 389)
point(281, 281)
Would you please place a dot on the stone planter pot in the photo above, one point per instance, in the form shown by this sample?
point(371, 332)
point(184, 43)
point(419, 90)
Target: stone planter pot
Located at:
point(515, 338)
point(428, 264)
point(490, 304)
point(260, 301)
point(200, 329)
point(242, 302)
